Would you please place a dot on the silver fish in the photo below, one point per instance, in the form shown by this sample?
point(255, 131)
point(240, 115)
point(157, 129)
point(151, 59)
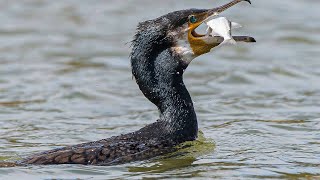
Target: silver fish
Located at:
point(222, 27)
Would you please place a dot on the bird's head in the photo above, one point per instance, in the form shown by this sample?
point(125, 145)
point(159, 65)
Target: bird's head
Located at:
point(177, 30)
point(162, 48)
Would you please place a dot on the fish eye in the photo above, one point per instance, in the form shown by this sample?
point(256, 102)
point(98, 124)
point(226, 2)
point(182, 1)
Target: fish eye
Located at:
point(193, 19)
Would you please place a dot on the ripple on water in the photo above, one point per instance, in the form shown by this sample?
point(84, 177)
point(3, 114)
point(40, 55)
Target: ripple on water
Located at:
point(65, 79)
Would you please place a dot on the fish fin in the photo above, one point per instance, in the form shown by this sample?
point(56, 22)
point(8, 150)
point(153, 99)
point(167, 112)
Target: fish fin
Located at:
point(232, 41)
point(229, 41)
point(235, 25)
point(209, 30)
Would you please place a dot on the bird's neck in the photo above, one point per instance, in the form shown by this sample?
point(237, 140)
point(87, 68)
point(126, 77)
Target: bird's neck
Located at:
point(177, 111)
point(160, 77)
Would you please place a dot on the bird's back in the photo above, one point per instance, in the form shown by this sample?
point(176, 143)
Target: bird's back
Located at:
point(134, 146)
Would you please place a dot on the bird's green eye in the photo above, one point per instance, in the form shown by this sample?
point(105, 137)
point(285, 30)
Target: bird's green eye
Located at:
point(193, 19)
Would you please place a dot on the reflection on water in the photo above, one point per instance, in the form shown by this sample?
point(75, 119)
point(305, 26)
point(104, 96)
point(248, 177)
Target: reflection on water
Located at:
point(65, 79)
point(185, 156)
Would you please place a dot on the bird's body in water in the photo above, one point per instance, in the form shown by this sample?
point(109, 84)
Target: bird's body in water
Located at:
point(161, 51)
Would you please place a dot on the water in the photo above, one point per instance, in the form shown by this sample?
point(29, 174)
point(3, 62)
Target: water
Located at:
point(65, 79)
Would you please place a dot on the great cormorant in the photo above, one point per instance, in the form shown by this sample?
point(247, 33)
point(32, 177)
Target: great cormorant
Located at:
point(161, 51)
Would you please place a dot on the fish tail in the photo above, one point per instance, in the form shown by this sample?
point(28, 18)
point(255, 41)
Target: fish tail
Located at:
point(232, 41)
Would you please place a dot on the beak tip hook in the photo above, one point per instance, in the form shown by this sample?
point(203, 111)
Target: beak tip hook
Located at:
point(248, 1)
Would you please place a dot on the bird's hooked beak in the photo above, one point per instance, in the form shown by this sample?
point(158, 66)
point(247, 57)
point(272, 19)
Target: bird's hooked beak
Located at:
point(218, 10)
point(201, 44)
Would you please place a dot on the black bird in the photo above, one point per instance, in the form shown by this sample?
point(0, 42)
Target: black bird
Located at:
point(161, 51)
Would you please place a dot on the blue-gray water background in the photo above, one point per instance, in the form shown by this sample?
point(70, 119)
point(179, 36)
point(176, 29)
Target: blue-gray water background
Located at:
point(65, 79)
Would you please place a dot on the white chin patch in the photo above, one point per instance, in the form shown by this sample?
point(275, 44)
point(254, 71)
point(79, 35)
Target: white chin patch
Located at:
point(184, 50)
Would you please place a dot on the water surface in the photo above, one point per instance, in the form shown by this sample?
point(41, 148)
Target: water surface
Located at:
point(65, 79)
